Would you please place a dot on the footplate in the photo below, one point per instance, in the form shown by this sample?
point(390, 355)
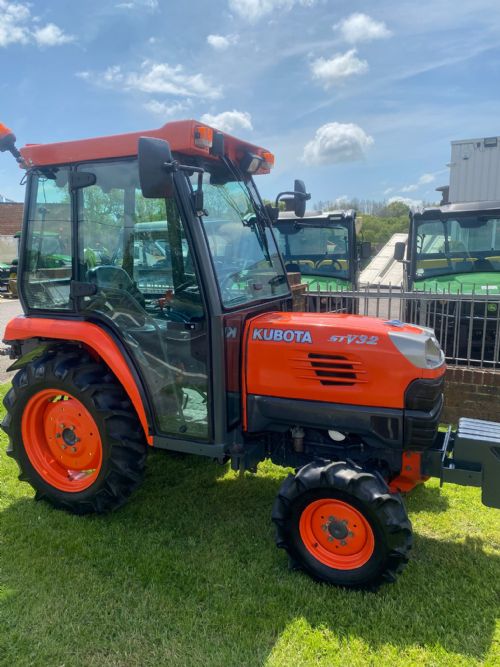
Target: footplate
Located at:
point(471, 457)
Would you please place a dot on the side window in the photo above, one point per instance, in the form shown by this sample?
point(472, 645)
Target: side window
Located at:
point(47, 274)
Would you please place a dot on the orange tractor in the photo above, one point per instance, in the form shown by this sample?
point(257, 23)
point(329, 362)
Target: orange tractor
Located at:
point(156, 314)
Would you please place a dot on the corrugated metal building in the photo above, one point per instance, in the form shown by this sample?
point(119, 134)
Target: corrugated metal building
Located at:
point(475, 170)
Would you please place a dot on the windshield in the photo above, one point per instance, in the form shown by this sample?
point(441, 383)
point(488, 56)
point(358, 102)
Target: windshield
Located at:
point(462, 245)
point(314, 251)
point(245, 256)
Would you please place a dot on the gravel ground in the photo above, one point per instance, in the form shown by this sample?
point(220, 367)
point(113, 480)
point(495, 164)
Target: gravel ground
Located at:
point(9, 308)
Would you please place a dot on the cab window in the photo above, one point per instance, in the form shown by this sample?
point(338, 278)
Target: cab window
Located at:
point(47, 272)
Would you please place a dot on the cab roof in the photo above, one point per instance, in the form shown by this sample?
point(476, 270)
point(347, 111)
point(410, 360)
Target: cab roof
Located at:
point(462, 208)
point(179, 134)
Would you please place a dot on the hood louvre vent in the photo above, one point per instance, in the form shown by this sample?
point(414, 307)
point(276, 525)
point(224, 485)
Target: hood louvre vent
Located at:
point(336, 369)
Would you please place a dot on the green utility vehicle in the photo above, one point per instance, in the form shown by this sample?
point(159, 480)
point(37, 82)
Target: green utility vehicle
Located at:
point(323, 247)
point(454, 250)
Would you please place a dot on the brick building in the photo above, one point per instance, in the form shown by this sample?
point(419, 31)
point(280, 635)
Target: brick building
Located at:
point(11, 218)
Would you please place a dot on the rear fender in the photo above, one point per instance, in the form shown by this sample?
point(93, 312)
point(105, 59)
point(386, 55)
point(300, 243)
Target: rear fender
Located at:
point(98, 341)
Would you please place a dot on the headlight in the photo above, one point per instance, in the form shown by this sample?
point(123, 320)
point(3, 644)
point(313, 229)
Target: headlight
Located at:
point(422, 350)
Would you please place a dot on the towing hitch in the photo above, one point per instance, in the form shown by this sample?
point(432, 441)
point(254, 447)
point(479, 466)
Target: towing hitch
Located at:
point(470, 456)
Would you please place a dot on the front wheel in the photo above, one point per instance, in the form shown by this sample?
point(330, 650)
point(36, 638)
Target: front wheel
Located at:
point(342, 526)
point(74, 433)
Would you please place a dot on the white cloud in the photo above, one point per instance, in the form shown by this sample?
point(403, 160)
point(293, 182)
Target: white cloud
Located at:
point(166, 110)
point(14, 18)
point(138, 4)
point(412, 203)
point(341, 66)
point(425, 179)
point(51, 35)
point(222, 42)
point(229, 121)
point(362, 28)
point(171, 80)
point(155, 78)
point(253, 10)
point(337, 142)
point(17, 26)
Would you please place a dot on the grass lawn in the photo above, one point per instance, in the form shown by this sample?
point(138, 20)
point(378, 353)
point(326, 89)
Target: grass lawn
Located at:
point(188, 574)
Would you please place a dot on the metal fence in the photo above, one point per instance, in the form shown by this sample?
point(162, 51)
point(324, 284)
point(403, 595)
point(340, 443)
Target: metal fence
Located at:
point(466, 325)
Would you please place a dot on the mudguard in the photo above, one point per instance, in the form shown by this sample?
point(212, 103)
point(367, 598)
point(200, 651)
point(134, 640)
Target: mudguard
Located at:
point(94, 338)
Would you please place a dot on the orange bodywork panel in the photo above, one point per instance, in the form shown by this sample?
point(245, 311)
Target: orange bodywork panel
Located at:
point(410, 475)
point(94, 338)
point(338, 358)
point(179, 134)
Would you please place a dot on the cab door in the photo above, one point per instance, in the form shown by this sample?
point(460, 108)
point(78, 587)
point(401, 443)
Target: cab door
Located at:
point(136, 257)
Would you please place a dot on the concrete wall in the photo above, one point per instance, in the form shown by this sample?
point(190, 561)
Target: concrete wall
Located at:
point(471, 392)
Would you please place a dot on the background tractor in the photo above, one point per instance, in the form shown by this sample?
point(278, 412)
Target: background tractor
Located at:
point(160, 318)
point(455, 249)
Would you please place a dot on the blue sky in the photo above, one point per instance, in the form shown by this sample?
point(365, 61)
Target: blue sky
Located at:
point(360, 99)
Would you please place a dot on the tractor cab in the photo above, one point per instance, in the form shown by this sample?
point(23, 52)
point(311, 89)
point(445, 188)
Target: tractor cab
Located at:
point(166, 274)
point(455, 247)
point(323, 247)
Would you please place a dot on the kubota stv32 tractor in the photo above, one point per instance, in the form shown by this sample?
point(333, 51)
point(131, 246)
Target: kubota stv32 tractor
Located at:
point(155, 315)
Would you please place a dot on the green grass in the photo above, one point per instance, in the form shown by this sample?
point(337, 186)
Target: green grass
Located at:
point(188, 574)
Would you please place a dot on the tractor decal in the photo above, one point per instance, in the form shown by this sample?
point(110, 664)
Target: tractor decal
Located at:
point(282, 335)
point(355, 338)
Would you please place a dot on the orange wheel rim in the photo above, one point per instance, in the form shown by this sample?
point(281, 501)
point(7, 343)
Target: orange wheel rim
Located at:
point(62, 440)
point(336, 534)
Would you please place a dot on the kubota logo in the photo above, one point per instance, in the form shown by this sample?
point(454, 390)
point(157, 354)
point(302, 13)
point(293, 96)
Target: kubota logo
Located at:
point(282, 335)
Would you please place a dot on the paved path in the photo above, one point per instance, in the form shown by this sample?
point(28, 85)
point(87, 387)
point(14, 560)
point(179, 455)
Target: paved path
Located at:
point(383, 269)
point(9, 308)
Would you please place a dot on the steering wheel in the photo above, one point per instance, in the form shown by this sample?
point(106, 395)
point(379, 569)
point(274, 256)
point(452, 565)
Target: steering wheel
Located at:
point(116, 278)
point(337, 265)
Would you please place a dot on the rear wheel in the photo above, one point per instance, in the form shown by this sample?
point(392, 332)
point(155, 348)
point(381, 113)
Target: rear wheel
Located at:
point(74, 433)
point(342, 526)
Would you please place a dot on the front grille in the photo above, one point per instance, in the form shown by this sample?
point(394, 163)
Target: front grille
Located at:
point(336, 369)
point(423, 406)
point(423, 394)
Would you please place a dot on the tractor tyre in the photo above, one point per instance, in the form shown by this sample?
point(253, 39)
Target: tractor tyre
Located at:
point(74, 433)
point(341, 525)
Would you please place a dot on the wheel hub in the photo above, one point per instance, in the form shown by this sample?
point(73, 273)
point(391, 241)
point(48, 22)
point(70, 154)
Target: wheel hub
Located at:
point(69, 436)
point(337, 528)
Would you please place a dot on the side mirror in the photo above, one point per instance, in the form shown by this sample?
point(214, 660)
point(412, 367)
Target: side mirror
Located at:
point(300, 196)
point(155, 168)
point(399, 251)
point(365, 250)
